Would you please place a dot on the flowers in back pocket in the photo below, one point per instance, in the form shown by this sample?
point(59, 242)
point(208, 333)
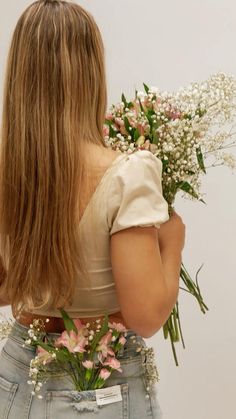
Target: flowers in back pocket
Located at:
point(87, 353)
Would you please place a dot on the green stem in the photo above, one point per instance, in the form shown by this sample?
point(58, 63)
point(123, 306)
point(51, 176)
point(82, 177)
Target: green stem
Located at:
point(172, 327)
point(180, 329)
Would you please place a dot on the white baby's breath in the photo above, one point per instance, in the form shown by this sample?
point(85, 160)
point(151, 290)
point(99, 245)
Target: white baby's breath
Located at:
point(5, 326)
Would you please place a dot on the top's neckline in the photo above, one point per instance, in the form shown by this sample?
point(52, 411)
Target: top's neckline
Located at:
point(118, 158)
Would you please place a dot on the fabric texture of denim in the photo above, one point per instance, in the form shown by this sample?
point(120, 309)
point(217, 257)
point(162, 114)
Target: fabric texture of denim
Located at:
point(60, 400)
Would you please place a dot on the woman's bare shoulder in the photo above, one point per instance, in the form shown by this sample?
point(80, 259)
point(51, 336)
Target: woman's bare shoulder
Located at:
point(101, 157)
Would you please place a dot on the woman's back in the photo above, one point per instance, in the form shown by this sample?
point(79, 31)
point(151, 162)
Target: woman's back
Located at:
point(127, 194)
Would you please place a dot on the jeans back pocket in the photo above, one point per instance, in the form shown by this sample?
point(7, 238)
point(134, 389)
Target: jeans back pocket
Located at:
point(7, 394)
point(71, 404)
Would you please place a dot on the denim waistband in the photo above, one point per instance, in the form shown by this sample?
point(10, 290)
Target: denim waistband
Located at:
point(132, 346)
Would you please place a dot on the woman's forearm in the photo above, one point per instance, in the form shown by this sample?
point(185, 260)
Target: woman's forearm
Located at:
point(171, 261)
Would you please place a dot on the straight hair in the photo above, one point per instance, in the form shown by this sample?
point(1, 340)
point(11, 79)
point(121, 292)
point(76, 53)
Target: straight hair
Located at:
point(54, 105)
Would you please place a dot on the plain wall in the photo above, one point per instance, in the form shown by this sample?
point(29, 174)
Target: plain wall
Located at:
point(170, 44)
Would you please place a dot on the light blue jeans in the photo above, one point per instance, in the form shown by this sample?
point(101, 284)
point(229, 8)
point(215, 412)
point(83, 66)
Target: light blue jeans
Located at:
point(60, 400)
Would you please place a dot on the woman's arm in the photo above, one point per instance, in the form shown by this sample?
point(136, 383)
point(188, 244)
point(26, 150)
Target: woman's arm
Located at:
point(146, 267)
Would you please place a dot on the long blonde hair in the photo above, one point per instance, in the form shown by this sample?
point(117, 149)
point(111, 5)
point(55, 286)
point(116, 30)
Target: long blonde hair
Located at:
point(54, 104)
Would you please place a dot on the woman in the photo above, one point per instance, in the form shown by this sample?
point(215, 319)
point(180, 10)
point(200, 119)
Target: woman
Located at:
point(80, 223)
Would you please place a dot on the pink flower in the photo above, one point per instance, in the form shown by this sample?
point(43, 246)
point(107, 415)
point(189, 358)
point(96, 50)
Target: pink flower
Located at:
point(74, 342)
point(104, 373)
point(113, 363)
point(44, 356)
point(122, 340)
point(119, 121)
point(105, 130)
point(78, 324)
point(88, 364)
point(103, 346)
point(109, 116)
point(118, 326)
point(140, 128)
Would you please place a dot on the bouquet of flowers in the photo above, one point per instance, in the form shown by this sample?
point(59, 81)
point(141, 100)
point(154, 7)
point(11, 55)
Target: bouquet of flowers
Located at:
point(185, 130)
point(87, 353)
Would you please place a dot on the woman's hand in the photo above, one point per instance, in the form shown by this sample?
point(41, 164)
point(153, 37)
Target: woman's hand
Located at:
point(172, 233)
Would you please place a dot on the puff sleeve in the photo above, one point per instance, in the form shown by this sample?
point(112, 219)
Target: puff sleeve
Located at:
point(135, 193)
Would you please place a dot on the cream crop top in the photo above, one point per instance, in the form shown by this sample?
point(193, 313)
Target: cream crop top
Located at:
point(129, 194)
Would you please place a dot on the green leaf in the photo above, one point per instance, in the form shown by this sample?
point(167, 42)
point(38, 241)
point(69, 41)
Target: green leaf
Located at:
point(149, 120)
point(187, 116)
point(68, 322)
point(155, 137)
point(123, 98)
point(127, 125)
point(201, 112)
point(112, 133)
point(141, 106)
point(190, 172)
point(186, 187)
point(63, 356)
point(46, 347)
point(108, 122)
point(146, 88)
point(200, 159)
point(102, 332)
point(164, 164)
point(136, 134)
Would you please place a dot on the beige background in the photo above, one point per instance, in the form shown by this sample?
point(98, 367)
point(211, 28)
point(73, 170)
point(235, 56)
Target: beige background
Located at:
point(170, 44)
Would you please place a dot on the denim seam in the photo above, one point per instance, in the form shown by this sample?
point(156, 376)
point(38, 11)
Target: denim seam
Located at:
point(11, 396)
point(28, 407)
point(20, 343)
point(16, 363)
point(25, 367)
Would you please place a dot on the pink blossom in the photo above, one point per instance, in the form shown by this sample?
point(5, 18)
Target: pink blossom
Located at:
point(88, 364)
point(119, 121)
point(140, 127)
point(122, 130)
point(103, 346)
point(122, 340)
point(118, 326)
point(44, 356)
point(104, 373)
point(109, 116)
point(113, 363)
point(175, 115)
point(74, 342)
point(105, 130)
point(78, 324)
